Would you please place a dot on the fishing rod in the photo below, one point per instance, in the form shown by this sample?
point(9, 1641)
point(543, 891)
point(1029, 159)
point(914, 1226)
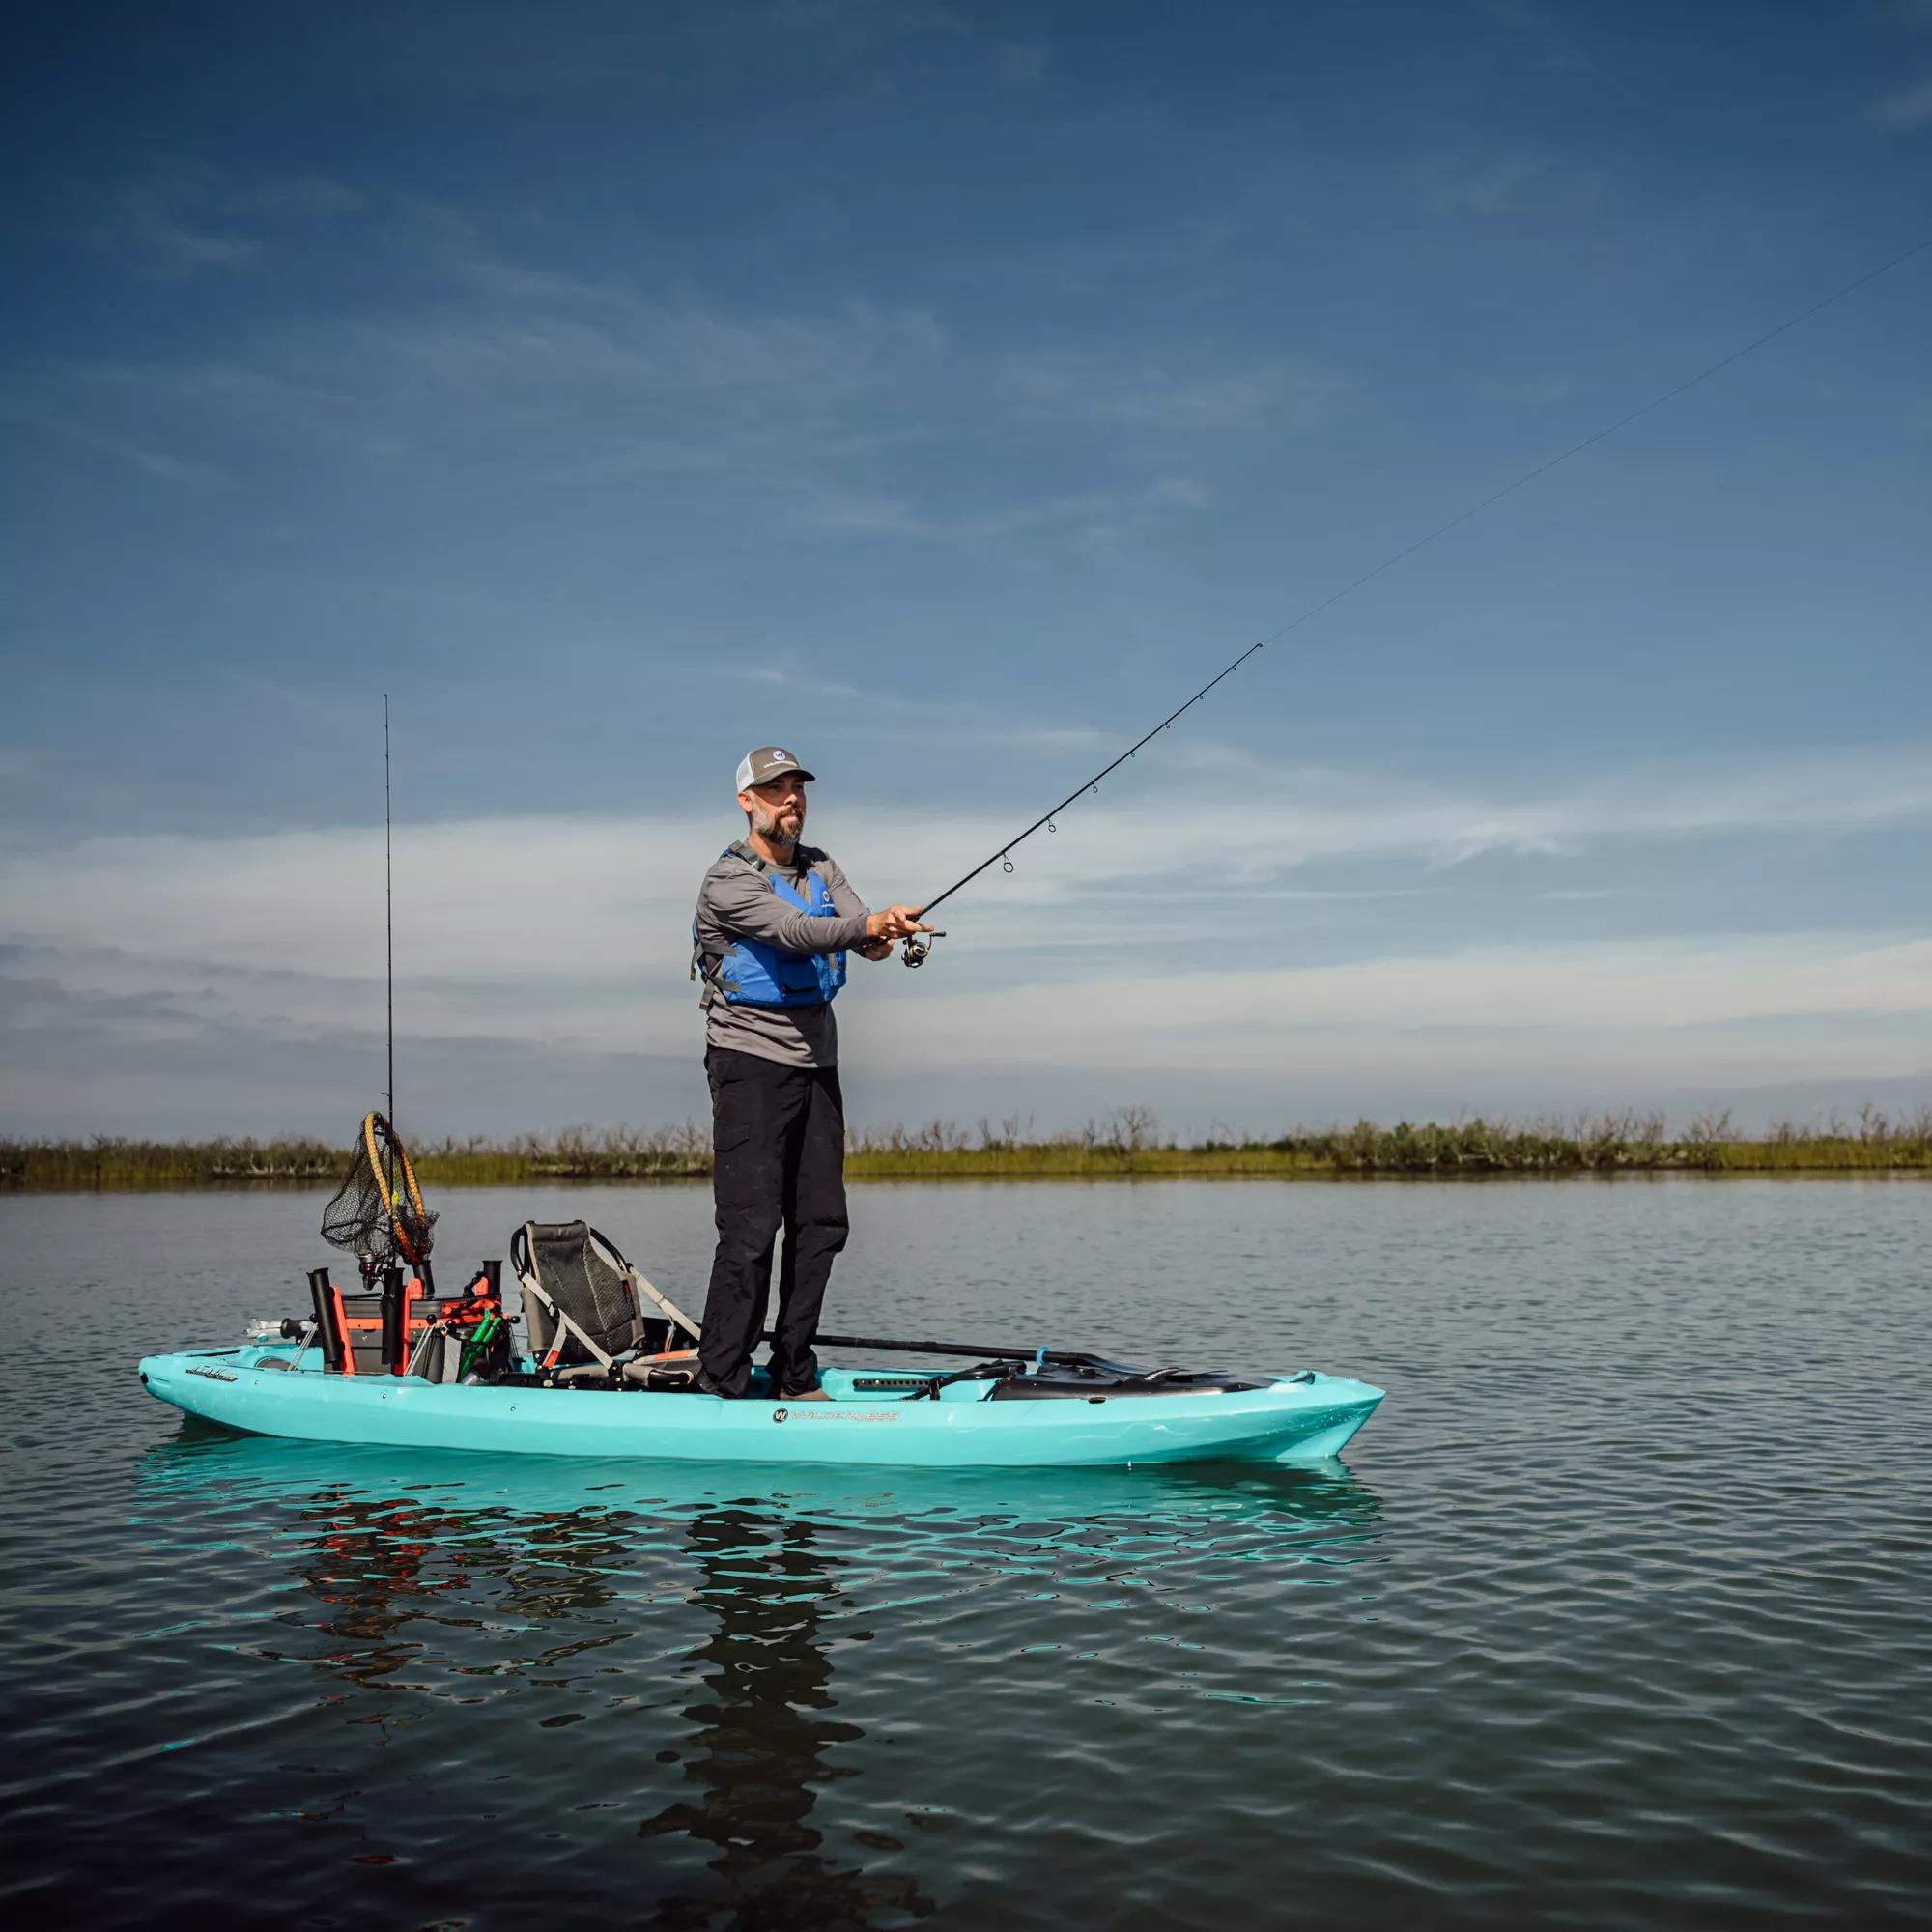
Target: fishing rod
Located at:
point(389, 930)
point(915, 949)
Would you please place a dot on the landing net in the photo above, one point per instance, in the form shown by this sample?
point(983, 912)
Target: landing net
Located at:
point(378, 1213)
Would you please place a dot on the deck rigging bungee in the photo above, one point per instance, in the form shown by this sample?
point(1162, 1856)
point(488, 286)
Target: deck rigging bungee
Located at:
point(916, 950)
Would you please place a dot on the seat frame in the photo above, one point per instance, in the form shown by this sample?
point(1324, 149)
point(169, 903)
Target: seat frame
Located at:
point(542, 1311)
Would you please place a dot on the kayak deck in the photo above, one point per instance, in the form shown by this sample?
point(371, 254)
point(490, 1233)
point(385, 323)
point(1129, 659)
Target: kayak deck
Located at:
point(870, 1416)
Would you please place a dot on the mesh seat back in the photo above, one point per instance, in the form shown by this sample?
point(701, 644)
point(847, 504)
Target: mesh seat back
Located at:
point(589, 1281)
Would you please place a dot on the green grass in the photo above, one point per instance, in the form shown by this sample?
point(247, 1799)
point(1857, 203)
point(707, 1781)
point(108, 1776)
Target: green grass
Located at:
point(1609, 1143)
point(1126, 1144)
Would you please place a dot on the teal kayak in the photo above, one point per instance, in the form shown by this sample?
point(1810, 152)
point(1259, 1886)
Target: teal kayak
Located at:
point(910, 1419)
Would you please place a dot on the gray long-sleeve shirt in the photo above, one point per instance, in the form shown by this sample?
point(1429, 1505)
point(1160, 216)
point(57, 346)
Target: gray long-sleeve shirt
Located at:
point(736, 902)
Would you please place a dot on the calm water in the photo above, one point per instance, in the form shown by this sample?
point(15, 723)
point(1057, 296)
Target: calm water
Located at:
point(1620, 1613)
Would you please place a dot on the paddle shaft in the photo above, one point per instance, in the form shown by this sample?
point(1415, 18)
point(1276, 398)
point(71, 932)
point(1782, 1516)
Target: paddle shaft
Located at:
point(1072, 1358)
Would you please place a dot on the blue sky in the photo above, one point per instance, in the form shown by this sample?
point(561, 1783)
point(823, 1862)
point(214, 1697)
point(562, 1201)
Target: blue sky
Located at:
point(945, 391)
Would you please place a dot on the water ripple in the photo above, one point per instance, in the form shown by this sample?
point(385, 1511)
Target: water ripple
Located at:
point(1616, 1617)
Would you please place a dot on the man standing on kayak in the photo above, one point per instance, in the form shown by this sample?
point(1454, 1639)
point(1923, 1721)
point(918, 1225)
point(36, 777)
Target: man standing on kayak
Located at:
point(775, 920)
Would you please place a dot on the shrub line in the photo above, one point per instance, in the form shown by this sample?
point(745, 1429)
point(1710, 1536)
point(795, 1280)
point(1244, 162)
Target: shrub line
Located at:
point(1126, 1142)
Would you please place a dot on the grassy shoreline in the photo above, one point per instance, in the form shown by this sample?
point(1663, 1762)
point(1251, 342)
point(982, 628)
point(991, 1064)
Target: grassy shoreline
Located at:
point(1126, 1146)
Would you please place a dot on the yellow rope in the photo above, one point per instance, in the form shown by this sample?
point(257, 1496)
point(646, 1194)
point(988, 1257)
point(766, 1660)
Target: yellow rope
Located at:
point(370, 1124)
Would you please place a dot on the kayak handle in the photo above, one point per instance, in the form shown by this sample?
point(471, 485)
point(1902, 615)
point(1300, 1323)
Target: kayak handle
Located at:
point(986, 1372)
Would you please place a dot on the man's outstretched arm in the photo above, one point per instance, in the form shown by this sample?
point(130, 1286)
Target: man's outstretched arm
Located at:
point(881, 928)
point(742, 905)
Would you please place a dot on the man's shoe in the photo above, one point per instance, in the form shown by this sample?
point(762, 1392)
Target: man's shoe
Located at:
point(807, 1395)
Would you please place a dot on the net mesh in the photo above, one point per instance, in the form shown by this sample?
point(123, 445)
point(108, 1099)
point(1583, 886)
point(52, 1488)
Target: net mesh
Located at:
point(378, 1213)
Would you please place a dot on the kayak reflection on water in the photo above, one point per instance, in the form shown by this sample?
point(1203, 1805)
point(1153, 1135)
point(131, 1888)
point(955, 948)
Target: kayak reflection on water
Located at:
point(717, 1662)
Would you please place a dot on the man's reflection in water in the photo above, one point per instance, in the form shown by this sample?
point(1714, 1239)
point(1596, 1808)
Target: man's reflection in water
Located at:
point(763, 1729)
point(761, 1716)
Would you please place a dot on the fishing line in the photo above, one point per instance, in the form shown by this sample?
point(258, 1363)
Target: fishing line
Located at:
point(915, 951)
point(389, 918)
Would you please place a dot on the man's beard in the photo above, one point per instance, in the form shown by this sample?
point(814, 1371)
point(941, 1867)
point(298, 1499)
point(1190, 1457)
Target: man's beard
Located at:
point(769, 824)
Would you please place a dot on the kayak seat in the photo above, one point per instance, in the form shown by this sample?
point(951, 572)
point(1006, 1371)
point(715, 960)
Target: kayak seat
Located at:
point(579, 1299)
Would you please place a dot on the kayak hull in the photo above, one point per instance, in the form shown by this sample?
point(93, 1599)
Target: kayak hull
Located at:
point(1300, 1419)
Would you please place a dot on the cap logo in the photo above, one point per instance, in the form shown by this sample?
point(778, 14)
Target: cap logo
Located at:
point(777, 757)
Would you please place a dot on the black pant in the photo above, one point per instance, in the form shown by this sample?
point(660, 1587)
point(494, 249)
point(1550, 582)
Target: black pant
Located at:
point(777, 1136)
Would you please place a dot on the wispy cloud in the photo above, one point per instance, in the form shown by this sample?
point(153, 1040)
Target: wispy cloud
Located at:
point(1488, 187)
point(1562, 52)
point(1097, 515)
point(1209, 392)
point(860, 515)
point(499, 48)
point(823, 690)
point(1740, 1005)
point(229, 955)
point(1321, 814)
point(183, 218)
point(561, 382)
point(1904, 110)
point(41, 412)
point(1022, 63)
point(612, 330)
point(1302, 1017)
point(1531, 392)
point(476, 360)
point(250, 901)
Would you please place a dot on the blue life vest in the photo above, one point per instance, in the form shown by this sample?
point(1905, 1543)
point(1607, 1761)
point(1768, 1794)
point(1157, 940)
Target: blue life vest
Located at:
point(749, 973)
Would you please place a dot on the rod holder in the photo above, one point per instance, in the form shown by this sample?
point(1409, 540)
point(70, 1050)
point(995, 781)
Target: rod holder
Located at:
point(392, 1318)
point(323, 1296)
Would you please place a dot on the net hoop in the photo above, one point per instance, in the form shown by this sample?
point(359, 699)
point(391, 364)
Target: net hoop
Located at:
point(373, 1125)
